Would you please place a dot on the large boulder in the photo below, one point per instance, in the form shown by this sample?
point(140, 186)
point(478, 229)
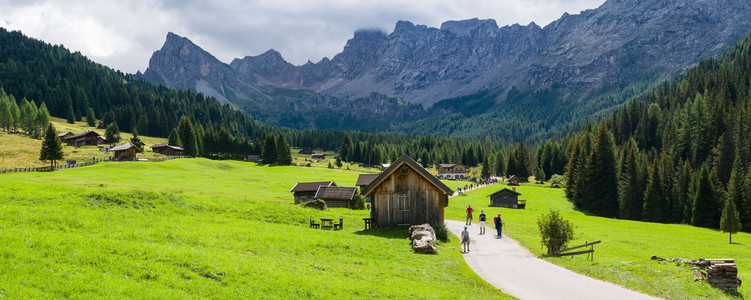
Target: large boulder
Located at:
point(423, 239)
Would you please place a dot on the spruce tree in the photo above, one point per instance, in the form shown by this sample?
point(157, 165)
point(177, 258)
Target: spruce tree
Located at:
point(602, 175)
point(136, 141)
point(705, 212)
point(269, 154)
point(174, 138)
point(284, 155)
point(188, 136)
point(52, 150)
point(41, 121)
point(630, 196)
point(730, 221)
point(339, 161)
point(90, 117)
point(70, 116)
point(653, 196)
point(112, 134)
point(500, 162)
point(346, 147)
point(485, 167)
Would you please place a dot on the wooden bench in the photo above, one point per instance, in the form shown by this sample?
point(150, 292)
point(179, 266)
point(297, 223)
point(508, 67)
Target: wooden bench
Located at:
point(590, 252)
point(313, 223)
point(368, 223)
point(339, 225)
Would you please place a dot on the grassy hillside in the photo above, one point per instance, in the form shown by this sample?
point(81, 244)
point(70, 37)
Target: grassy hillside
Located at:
point(624, 255)
point(20, 151)
point(195, 228)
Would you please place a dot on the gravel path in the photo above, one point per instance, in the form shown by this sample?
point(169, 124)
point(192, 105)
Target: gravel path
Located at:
point(511, 268)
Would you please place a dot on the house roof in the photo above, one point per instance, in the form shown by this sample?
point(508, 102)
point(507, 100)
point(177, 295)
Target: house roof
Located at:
point(125, 146)
point(504, 189)
point(335, 192)
point(83, 134)
point(406, 160)
point(365, 179)
point(64, 134)
point(318, 154)
point(166, 146)
point(310, 186)
point(446, 165)
point(513, 177)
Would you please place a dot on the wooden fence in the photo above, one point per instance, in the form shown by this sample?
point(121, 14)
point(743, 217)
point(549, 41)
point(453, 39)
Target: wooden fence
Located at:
point(89, 163)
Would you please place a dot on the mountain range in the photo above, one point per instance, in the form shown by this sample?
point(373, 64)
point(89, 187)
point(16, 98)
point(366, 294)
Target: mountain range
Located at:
point(471, 77)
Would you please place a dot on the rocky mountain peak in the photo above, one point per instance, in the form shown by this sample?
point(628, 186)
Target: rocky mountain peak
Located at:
point(465, 27)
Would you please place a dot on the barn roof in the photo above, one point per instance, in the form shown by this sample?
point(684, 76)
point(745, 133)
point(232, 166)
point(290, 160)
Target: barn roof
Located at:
point(64, 134)
point(125, 146)
point(83, 134)
point(335, 192)
point(404, 159)
point(310, 186)
point(167, 146)
point(365, 179)
point(502, 190)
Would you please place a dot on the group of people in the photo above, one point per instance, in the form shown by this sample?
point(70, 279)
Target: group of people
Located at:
point(497, 221)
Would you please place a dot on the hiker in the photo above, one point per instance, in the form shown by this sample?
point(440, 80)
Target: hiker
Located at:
point(482, 222)
point(465, 240)
point(499, 225)
point(469, 215)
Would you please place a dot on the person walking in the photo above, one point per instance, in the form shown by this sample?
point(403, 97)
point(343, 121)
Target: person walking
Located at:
point(465, 240)
point(469, 215)
point(499, 225)
point(482, 222)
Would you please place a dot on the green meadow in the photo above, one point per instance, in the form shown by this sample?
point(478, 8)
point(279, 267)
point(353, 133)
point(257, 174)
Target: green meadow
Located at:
point(623, 257)
point(196, 228)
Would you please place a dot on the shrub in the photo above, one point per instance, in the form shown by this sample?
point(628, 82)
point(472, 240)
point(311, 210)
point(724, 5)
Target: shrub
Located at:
point(555, 231)
point(358, 201)
point(317, 204)
point(558, 180)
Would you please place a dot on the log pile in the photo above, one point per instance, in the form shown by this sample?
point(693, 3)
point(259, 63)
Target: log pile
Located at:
point(722, 274)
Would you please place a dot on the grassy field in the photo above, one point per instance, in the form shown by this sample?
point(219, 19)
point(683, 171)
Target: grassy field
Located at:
point(20, 151)
point(195, 228)
point(624, 255)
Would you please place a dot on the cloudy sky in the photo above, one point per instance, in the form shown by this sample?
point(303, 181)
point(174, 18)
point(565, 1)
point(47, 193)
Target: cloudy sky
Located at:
point(123, 34)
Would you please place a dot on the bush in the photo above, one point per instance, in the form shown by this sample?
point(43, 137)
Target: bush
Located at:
point(358, 201)
point(557, 180)
point(317, 204)
point(555, 231)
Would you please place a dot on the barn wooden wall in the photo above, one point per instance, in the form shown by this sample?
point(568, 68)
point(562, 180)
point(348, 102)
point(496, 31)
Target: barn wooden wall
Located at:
point(425, 201)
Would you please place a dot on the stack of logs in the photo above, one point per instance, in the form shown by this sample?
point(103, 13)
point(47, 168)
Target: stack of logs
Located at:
point(722, 274)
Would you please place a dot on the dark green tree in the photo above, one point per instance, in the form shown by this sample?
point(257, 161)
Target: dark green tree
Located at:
point(602, 175)
point(705, 212)
point(630, 196)
point(90, 117)
point(112, 134)
point(284, 155)
point(269, 154)
point(485, 167)
point(70, 116)
point(188, 137)
point(52, 150)
point(730, 221)
point(135, 140)
point(653, 196)
point(174, 138)
point(500, 162)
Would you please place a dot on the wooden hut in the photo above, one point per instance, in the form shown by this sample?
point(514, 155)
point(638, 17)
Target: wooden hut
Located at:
point(506, 198)
point(254, 158)
point(406, 194)
point(89, 138)
point(166, 149)
point(305, 151)
point(306, 191)
point(336, 196)
point(125, 152)
point(318, 155)
point(513, 180)
point(65, 135)
point(363, 180)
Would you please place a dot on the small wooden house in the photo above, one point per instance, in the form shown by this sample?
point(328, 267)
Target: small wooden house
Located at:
point(406, 194)
point(125, 152)
point(506, 198)
point(318, 155)
point(306, 191)
point(63, 136)
point(89, 138)
point(166, 149)
point(254, 158)
point(306, 151)
point(513, 180)
point(363, 180)
point(336, 196)
point(452, 171)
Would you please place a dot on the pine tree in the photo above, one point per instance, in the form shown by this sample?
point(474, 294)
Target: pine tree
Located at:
point(284, 155)
point(602, 176)
point(630, 196)
point(41, 121)
point(112, 134)
point(269, 154)
point(683, 200)
point(653, 196)
point(485, 167)
point(90, 117)
point(338, 161)
point(136, 141)
point(188, 137)
point(70, 116)
point(730, 221)
point(347, 147)
point(500, 162)
point(705, 212)
point(52, 150)
point(174, 138)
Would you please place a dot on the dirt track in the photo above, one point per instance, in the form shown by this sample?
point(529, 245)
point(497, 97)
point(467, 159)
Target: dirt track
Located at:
point(511, 268)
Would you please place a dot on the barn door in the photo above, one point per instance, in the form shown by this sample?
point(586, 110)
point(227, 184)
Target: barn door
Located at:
point(401, 209)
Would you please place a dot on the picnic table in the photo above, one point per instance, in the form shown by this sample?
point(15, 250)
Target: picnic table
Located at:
point(368, 223)
point(327, 223)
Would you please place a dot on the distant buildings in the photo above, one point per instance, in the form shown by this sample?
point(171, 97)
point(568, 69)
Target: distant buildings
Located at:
point(452, 171)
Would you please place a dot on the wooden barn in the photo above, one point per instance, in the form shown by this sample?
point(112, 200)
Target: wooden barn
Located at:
point(406, 194)
point(363, 180)
point(306, 191)
point(305, 151)
point(125, 152)
point(65, 135)
point(336, 196)
point(513, 180)
point(166, 149)
point(318, 155)
point(89, 138)
point(506, 198)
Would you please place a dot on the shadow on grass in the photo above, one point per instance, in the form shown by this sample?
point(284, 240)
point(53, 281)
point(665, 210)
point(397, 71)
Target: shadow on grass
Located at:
point(390, 233)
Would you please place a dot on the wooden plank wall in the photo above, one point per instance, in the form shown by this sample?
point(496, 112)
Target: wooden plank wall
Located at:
point(425, 202)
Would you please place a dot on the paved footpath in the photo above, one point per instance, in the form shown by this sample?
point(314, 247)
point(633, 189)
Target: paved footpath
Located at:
point(511, 268)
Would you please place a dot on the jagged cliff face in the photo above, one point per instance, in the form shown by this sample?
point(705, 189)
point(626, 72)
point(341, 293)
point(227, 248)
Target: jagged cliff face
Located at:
point(611, 45)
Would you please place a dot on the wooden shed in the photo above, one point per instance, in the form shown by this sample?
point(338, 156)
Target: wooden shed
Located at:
point(513, 180)
point(64, 135)
point(305, 151)
point(336, 196)
point(318, 155)
point(406, 194)
point(89, 138)
point(125, 152)
point(363, 180)
point(166, 149)
point(306, 191)
point(506, 198)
